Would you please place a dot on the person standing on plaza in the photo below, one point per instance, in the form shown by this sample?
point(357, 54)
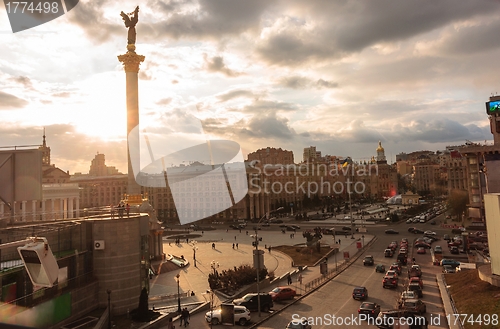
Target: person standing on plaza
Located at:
point(289, 279)
point(128, 210)
point(236, 245)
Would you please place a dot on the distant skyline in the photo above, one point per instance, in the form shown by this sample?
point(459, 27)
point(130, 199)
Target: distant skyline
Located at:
point(339, 75)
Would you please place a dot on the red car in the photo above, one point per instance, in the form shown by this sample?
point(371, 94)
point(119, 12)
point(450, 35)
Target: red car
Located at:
point(454, 243)
point(421, 250)
point(281, 293)
point(418, 280)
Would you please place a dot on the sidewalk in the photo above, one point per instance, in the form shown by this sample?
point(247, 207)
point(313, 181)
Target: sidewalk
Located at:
point(163, 287)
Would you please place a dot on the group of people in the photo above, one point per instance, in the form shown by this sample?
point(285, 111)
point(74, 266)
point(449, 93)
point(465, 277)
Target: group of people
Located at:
point(185, 317)
point(121, 207)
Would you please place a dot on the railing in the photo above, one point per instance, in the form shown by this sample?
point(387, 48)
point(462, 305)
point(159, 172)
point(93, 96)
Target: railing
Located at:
point(314, 283)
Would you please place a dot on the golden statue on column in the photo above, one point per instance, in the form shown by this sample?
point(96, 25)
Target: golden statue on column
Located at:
point(131, 20)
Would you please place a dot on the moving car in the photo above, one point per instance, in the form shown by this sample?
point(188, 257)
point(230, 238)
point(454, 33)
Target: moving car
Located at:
point(408, 294)
point(454, 250)
point(416, 279)
point(430, 233)
point(281, 293)
point(396, 268)
point(391, 231)
point(380, 268)
point(449, 269)
point(388, 253)
point(422, 244)
point(416, 306)
point(417, 231)
point(451, 262)
point(241, 315)
point(250, 302)
point(438, 250)
point(369, 308)
point(415, 286)
point(368, 261)
point(415, 270)
point(390, 281)
point(420, 250)
point(360, 293)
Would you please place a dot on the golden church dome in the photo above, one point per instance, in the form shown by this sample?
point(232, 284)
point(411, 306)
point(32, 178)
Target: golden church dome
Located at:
point(380, 148)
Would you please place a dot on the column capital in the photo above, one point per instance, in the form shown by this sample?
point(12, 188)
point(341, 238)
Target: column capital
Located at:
point(131, 61)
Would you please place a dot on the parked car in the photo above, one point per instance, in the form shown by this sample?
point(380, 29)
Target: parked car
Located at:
point(420, 250)
point(241, 316)
point(449, 269)
point(446, 237)
point(438, 250)
point(416, 306)
point(422, 244)
point(250, 302)
point(369, 308)
point(368, 261)
point(454, 250)
point(360, 293)
point(281, 293)
point(388, 253)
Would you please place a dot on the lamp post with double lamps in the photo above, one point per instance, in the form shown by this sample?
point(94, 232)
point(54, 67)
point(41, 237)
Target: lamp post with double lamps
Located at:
point(214, 266)
point(256, 253)
point(177, 277)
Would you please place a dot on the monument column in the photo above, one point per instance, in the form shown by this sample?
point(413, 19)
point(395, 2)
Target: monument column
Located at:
point(131, 62)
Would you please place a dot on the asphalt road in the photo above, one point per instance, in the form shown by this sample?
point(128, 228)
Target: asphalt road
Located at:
point(335, 297)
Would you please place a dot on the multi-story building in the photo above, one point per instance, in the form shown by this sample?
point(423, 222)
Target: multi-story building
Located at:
point(102, 186)
point(271, 155)
point(310, 154)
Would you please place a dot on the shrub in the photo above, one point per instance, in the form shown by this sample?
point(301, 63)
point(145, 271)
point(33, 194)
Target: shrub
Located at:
point(235, 278)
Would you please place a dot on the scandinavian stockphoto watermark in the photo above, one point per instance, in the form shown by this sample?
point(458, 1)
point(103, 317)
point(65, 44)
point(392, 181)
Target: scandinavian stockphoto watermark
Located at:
point(24, 15)
point(311, 178)
point(205, 176)
point(355, 320)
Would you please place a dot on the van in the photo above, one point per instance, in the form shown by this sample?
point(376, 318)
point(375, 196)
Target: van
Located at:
point(250, 301)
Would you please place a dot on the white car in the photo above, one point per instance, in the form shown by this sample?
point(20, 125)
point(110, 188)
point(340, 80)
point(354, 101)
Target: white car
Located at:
point(241, 315)
point(429, 233)
point(408, 294)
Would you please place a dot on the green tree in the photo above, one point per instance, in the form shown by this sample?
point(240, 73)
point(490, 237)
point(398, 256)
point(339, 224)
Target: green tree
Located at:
point(457, 202)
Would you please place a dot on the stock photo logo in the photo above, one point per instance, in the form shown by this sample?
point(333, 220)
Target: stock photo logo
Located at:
point(24, 15)
point(205, 176)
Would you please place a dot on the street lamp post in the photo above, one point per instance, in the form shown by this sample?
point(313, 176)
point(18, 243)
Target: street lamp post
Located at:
point(178, 293)
point(363, 238)
point(257, 256)
point(109, 308)
point(194, 251)
point(214, 265)
point(350, 212)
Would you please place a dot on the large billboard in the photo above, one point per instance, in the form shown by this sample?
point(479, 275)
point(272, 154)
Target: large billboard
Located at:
point(21, 175)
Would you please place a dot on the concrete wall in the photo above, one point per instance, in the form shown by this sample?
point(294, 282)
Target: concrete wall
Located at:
point(492, 212)
point(118, 266)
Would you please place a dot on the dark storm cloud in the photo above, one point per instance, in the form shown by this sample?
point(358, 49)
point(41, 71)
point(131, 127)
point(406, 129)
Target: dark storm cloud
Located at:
point(9, 101)
point(270, 126)
point(216, 64)
point(342, 28)
point(472, 39)
point(212, 18)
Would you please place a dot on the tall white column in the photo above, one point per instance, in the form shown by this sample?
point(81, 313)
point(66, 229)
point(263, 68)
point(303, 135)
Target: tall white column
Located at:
point(23, 211)
point(61, 208)
point(33, 209)
point(131, 62)
point(70, 208)
point(43, 210)
point(77, 207)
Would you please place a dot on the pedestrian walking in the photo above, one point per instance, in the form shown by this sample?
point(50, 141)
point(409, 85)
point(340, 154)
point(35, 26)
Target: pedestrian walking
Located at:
point(236, 245)
point(170, 324)
point(300, 278)
point(213, 245)
point(181, 318)
point(235, 238)
point(339, 241)
point(269, 249)
point(233, 245)
point(185, 314)
point(289, 279)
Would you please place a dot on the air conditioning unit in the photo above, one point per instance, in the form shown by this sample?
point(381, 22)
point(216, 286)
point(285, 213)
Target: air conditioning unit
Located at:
point(99, 245)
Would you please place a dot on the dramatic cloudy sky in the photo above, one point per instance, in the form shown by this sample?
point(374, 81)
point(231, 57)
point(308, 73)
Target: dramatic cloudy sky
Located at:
point(337, 74)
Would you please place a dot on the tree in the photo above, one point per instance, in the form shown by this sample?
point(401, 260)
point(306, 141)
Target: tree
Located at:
point(457, 201)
